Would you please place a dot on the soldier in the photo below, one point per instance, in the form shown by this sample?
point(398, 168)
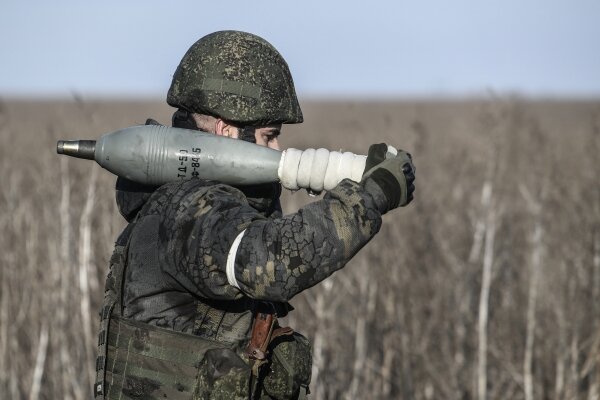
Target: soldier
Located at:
point(203, 270)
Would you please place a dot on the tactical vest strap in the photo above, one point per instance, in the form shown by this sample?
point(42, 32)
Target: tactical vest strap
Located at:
point(116, 266)
point(112, 303)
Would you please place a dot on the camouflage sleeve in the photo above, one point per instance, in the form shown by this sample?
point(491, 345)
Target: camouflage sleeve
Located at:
point(199, 222)
point(279, 258)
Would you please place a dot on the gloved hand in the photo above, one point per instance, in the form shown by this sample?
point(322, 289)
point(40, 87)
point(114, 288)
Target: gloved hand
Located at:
point(395, 175)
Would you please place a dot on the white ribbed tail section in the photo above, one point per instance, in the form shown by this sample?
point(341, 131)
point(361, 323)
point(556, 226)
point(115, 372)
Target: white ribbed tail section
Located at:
point(321, 169)
point(318, 169)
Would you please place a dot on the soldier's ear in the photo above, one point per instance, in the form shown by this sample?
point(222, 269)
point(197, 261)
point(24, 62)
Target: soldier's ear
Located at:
point(222, 128)
point(219, 127)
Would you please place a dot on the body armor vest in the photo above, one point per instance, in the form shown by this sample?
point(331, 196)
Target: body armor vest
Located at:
point(140, 361)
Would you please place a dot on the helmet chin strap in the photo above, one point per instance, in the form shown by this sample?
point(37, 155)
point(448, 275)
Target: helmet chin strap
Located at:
point(183, 119)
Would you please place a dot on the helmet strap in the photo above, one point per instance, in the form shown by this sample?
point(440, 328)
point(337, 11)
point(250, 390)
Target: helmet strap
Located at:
point(183, 119)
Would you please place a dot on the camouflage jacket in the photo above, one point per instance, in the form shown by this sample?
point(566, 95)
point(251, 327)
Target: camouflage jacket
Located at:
point(174, 279)
point(184, 232)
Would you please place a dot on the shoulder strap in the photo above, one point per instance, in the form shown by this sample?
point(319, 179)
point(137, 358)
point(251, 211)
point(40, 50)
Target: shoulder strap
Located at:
point(111, 305)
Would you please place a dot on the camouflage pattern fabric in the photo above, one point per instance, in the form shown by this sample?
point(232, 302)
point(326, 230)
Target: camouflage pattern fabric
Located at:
point(185, 231)
point(279, 258)
point(287, 375)
point(236, 76)
point(147, 362)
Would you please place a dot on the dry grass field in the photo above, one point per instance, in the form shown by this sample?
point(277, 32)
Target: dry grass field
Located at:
point(486, 286)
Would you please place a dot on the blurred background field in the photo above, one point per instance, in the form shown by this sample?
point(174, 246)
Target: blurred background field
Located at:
point(488, 284)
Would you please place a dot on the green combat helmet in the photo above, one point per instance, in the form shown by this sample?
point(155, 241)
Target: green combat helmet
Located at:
point(238, 77)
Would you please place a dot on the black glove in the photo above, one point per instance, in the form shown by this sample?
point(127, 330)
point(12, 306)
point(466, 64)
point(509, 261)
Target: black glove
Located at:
point(395, 175)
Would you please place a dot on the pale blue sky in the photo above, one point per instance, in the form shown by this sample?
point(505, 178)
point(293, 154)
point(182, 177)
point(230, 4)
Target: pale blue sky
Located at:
point(334, 48)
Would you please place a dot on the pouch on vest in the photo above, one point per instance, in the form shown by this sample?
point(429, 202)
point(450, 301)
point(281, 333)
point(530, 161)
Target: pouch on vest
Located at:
point(222, 375)
point(151, 362)
point(287, 375)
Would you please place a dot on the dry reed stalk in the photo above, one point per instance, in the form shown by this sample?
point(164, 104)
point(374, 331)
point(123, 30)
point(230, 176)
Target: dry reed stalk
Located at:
point(63, 321)
point(573, 389)
point(595, 373)
point(14, 383)
point(405, 351)
point(531, 308)
point(388, 343)
point(5, 306)
point(4, 324)
point(561, 358)
point(536, 210)
point(85, 256)
point(40, 362)
point(360, 341)
point(486, 281)
point(478, 234)
point(318, 343)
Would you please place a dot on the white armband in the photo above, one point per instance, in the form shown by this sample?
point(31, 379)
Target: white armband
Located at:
point(230, 267)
